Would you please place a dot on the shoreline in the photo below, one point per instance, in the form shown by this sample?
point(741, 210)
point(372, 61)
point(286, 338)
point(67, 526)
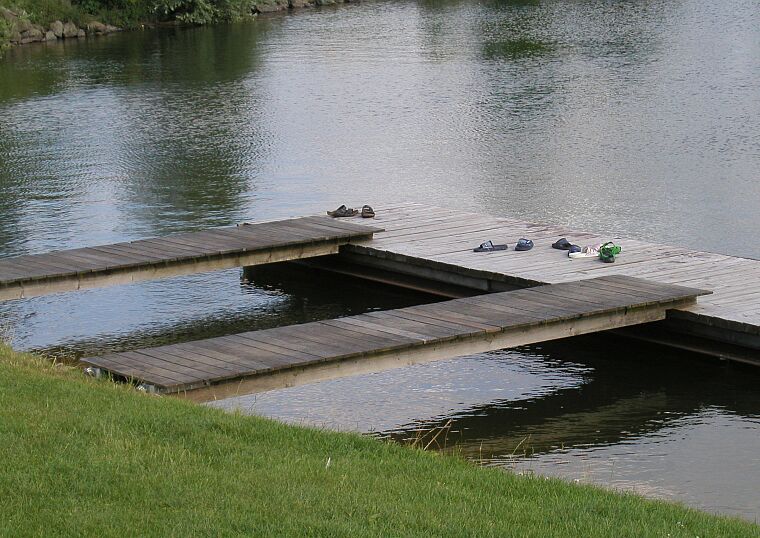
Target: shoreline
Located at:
point(19, 30)
point(120, 460)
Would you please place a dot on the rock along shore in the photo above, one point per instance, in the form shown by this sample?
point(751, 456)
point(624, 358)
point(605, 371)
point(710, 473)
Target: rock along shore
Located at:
point(23, 31)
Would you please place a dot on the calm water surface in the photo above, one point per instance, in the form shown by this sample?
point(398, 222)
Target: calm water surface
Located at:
point(638, 118)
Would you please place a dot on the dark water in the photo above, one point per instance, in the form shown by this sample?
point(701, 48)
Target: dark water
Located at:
point(639, 118)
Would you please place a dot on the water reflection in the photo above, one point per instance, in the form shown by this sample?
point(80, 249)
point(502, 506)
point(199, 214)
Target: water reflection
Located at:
point(639, 417)
point(514, 49)
point(646, 388)
point(269, 296)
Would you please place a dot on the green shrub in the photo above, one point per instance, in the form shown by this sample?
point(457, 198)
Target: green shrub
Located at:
point(203, 11)
point(234, 10)
point(5, 35)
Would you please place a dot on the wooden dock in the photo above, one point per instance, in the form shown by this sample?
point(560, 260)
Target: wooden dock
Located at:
point(435, 244)
point(427, 248)
point(296, 354)
point(173, 255)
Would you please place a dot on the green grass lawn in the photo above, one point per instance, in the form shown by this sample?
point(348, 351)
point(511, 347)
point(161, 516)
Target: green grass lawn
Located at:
point(87, 457)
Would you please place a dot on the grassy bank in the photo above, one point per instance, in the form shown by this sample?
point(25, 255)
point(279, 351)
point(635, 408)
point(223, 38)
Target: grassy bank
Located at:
point(86, 457)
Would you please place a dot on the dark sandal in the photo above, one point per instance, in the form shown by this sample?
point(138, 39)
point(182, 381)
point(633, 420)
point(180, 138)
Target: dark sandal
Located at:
point(343, 211)
point(488, 246)
point(367, 212)
point(524, 244)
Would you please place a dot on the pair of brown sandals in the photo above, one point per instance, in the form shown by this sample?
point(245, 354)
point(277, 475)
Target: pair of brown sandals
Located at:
point(367, 212)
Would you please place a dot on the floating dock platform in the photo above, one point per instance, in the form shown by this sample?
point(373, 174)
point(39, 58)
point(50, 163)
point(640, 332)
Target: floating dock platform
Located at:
point(431, 248)
point(298, 354)
point(180, 254)
point(496, 299)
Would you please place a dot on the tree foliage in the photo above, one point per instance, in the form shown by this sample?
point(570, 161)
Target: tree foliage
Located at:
point(5, 34)
point(203, 11)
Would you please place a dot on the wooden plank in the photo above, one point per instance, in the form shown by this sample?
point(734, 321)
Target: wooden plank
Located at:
point(50, 260)
point(10, 272)
point(357, 227)
point(129, 256)
point(188, 247)
point(132, 370)
point(28, 269)
point(498, 319)
point(140, 253)
point(187, 361)
point(302, 230)
point(327, 227)
point(340, 341)
point(220, 244)
point(260, 239)
point(268, 343)
point(541, 304)
point(189, 365)
point(298, 350)
point(212, 356)
point(372, 330)
point(458, 313)
point(259, 236)
point(134, 361)
point(641, 285)
point(107, 260)
point(384, 328)
point(596, 299)
point(83, 263)
point(308, 340)
point(207, 348)
point(181, 372)
point(248, 354)
point(97, 258)
point(440, 319)
point(158, 244)
point(272, 356)
point(481, 302)
point(431, 332)
point(359, 342)
point(607, 291)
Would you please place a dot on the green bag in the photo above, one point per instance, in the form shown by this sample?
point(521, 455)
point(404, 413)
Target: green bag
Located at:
point(608, 251)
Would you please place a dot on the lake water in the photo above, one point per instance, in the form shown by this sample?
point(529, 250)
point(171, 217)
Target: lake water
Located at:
point(638, 118)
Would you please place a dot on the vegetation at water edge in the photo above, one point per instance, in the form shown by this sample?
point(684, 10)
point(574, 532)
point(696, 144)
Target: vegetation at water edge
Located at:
point(89, 457)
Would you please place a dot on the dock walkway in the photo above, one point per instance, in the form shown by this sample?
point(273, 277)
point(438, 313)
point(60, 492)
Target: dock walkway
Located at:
point(436, 243)
point(295, 354)
point(173, 255)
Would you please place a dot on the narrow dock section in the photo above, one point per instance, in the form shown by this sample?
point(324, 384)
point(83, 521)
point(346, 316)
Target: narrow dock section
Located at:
point(174, 255)
point(297, 354)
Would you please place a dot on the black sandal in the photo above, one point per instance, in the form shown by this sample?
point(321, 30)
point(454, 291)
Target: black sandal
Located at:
point(488, 246)
point(343, 211)
point(367, 212)
point(524, 244)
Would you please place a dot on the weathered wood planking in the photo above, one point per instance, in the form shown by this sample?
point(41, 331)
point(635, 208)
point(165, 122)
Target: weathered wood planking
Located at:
point(425, 332)
point(438, 242)
point(186, 253)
